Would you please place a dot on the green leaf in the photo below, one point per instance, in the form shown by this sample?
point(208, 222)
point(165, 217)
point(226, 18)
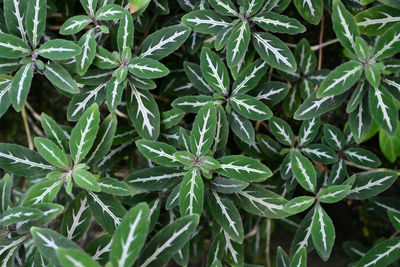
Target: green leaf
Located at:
point(273, 22)
point(272, 93)
point(19, 214)
point(163, 42)
point(224, 7)
point(250, 107)
point(77, 218)
point(274, 51)
point(362, 157)
point(394, 217)
point(249, 77)
point(171, 118)
point(115, 90)
point(214, 71)
point(206, 21)
point(75, 24)
point(115, 187)
point(303, 170)
point(14, 15)
point(104, 139)
point(20, 86)
point(130, 236)
point(53, 131)
point(298, 204)
point(143, 113)
point(155, 178)
point(147, 68)
point(242, 128)
point(390, 146)
point(334, 193)
point(243, 168)
point(334, 137)
point(344, 26)
point(393, 86)
point(383, 109)
point(338, 172)
point(168, 241)
point(60, 78)
point(373, 75)
point(261, 202)
point(203, 130)
point(59, 49)
point(51, 152)
point(322, 232)
point(282, 259)
point(193, 72)
point(88, 52)
point(357, 96)
point(310, 10)
point(340, 79)
point(238, 43)
point(110, 12)
point(22, 161)
point(308, 131)
point(193, 103)
point(89, 6)
point(42, 192)
point(228, 186)
point(125, 32)
point(75, 257)
point(5, 192)
point(86, 180)
point(281, 130)
point(36, 24)
point(313, 107)
point(82, 101)
point(377, 19)
point(84, 133)
point(382, 254)
point(320, 153)
point(158, 152)
point(371, 184)
point(360, 121)
point(104, 59)
point(191, 193)
point(49, 241)
point(227, 216)
point(107, 211)
point(252, 6)
point(388, 44)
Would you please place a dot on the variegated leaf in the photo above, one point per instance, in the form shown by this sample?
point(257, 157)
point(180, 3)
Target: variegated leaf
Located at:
point(371, 184)
point(274, 22)
point(214, 71)
point(75, 24)
point(160, 153)
point(303, 170)
point(203, 130)
point(191, 193)
point(310, 10)
point(322, 232)
point(88, 52)
point(36, 22)
point(21, 85)
point(206, 21)
point(383, 109)
point(344, 26)
point(238, 43)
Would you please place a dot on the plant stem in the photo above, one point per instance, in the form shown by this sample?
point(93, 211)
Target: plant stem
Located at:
point(27, 130)
point(321, 38)
point(268, 243)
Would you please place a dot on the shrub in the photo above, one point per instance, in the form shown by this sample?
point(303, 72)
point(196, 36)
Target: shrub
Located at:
point(188, 132)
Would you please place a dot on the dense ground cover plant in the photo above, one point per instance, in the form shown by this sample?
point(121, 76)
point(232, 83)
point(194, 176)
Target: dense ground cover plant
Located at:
point(199, 133)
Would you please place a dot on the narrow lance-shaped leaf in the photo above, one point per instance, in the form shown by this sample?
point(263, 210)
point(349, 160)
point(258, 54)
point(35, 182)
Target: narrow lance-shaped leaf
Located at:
point(155, 178)
point(143, 112)
point(191, 193)
point(89, 6)
point(360, 121)
point(125, 32)
point(388, 44)
point(274, 22)
point(60, 78)
point(383, 109)
point(58, 49)
point(84, 133)
point(168, 241)
point(12, 47)
point(193, 72)
point(303, 170)
point(299, 204)
point(371, 184)
point(362, 157)
point(250, 107)
point(14, 13)
point(45, 191)
point(130, 236)
point(75, 24)
point(147, 68)
point(22, 161)
point(281, 130)
point(237, 44)
point(160, 153)
point(322, 232)
point(20, 86)
point(243, 168)
point(377, 19)
point(214, 71)
point(241, 127)
point(249, 77)
point(344, 26)
point(206, 21)
point(51, 152)
point(203, 130)
point(85, 179)
point(340, 79)
point(163, 42)
point(224, 7)
point(88, 52)
point(19, 214)
point(299, 258)
point(53, 131)
point(110, 12)
point(35, 20)
point(5, 192)
point(382, 254)
point(226, 214)
point(274, 51)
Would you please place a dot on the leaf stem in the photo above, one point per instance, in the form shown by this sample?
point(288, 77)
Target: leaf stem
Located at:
point(27, 130)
